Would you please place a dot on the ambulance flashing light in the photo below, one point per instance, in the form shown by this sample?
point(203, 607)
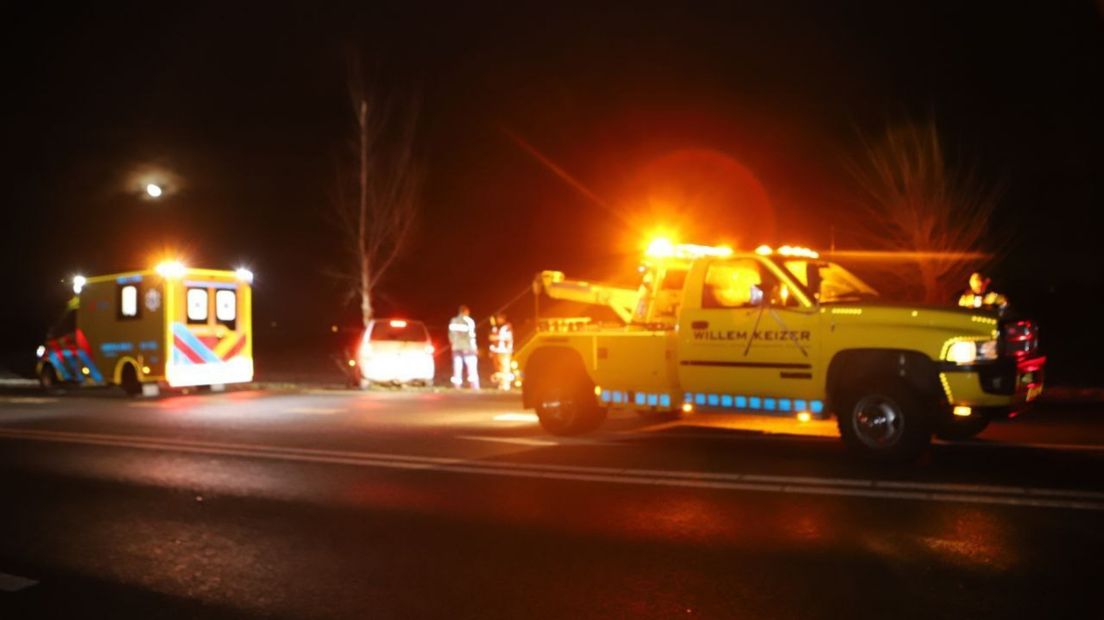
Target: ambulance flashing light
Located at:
point(171, 269)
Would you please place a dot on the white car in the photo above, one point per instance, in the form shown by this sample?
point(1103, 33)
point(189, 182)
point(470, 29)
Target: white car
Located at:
point(396, 352)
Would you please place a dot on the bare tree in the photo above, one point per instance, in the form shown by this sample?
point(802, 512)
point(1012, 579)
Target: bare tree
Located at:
point(377, 204)
point(917, 204)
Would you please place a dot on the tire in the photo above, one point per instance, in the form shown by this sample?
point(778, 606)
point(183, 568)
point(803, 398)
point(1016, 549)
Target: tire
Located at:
point(48, 378)
point(886, 421)
point(564, 397)
point(959, 429)
point(129, 381)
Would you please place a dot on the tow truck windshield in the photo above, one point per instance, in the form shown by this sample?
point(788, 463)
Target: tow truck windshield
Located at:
point(837, 285)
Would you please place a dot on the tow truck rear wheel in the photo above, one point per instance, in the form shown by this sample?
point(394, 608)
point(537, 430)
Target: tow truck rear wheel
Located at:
point(960, 429)
point(885, 421)
point(129, 380)
point(564, 397)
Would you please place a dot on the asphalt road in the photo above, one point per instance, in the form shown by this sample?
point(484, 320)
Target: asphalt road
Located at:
point(405, 505)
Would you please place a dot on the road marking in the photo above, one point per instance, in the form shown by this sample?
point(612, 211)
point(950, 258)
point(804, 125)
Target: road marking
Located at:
point(654, 433)
point(520, 441)
point(1059, 447)
point(840, 487)
point(516, 417)
point(28, 400)
point(14, 583)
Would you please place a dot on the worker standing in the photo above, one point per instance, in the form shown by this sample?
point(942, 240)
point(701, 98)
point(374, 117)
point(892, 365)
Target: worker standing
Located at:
point(502, 348)
point(464, 349)
point(979, 295)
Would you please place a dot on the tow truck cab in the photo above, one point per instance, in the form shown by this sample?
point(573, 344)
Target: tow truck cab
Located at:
point(783, 332)
point(172, 326)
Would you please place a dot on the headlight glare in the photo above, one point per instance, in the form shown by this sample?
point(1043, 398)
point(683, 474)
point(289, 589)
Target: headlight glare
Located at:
point(987, 350)
point(962, 352)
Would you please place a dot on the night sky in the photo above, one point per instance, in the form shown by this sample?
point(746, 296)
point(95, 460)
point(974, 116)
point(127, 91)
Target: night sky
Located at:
point(741, 120)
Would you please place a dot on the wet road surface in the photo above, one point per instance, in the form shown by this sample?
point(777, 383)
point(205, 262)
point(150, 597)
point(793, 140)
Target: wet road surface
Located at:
point(318, 503)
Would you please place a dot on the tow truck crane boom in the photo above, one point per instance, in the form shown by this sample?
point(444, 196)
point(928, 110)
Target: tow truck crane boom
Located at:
point(557, 286)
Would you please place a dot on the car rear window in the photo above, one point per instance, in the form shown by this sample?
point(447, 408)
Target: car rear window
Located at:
point(402, 331)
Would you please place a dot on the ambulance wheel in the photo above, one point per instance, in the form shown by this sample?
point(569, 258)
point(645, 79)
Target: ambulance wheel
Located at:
point(48, 377)
point(564, 397)
point(129, 381)
point(885, 421)
point(959, 429)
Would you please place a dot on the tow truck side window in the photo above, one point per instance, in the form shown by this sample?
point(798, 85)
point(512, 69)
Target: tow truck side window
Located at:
point(128, 301)
point(734, 284)
point(197, 305)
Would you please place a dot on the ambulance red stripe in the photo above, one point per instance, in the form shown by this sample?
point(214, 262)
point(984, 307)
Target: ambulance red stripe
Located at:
point(187, 351)
point(234, 350)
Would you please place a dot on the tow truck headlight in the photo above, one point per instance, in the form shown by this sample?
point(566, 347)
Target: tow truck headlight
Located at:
point(987, 350)
point(962, 352)
point(968, 351)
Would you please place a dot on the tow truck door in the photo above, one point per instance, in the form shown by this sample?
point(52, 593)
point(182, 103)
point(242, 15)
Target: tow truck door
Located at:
point(744, 343)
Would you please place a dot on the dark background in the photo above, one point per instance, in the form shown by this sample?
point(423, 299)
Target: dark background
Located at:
point(758, 108)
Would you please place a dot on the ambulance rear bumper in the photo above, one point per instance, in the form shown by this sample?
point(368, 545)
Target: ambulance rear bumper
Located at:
point(237, 370)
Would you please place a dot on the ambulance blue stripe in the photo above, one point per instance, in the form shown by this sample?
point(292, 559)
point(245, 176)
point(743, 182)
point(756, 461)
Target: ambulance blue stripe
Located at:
point(92, 370)
point(182, 332)
point(59, 365)
point(72, 364)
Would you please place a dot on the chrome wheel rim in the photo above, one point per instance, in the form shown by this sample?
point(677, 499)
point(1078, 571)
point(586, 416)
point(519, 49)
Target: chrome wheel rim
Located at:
point(878, 421)
point(561, 410)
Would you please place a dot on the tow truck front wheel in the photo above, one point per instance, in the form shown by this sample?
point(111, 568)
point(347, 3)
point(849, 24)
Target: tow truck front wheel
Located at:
point(886, 422)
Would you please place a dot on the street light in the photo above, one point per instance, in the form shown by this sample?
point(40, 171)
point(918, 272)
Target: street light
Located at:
point(153, 190)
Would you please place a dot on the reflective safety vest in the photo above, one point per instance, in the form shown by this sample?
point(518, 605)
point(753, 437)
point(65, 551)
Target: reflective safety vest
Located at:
point(462, 334)
point(503, 339)
point(992, 299)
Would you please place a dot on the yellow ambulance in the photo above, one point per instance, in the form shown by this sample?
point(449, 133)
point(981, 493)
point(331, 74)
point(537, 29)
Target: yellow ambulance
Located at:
point(172, 325)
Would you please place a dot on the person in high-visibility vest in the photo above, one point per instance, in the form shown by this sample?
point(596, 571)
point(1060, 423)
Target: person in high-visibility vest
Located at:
point(502, 348)
point(979, 295)
point(464, 349)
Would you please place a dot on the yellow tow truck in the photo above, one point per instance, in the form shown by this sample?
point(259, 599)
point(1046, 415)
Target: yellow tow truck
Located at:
point(776, 332)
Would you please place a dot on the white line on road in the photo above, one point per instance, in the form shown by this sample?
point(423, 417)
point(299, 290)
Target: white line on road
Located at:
point(841, 487)
point(516, 417)
point(28, 400)
point(14, 583)
point(316, 410)
point(519, 441)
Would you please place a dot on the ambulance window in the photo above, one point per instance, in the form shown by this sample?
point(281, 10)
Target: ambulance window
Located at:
point(226, 306)
point(736, 284)
point(128, 301)
point(197, 305)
